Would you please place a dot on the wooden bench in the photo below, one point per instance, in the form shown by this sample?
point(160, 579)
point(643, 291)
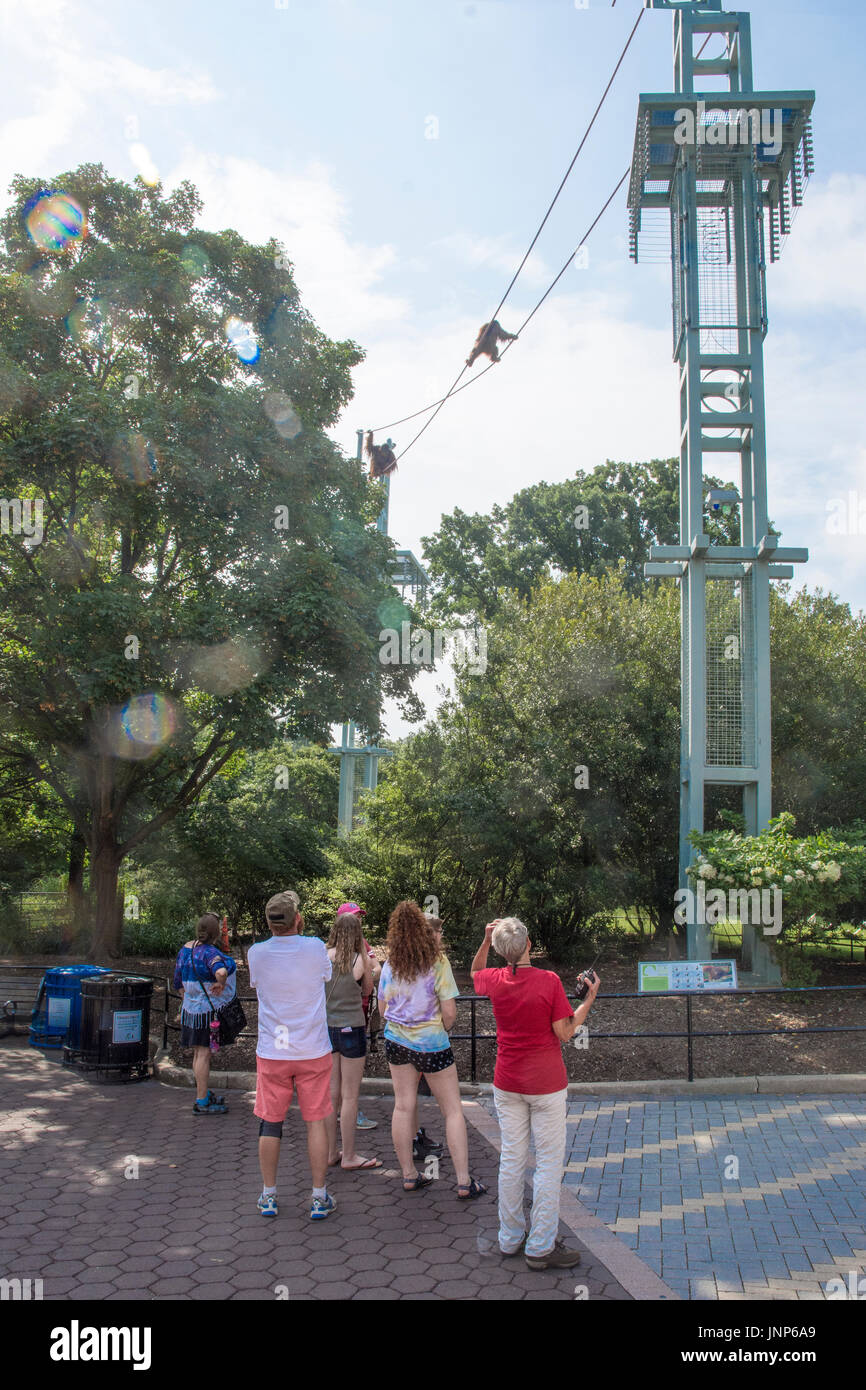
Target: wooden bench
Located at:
point(19, 988)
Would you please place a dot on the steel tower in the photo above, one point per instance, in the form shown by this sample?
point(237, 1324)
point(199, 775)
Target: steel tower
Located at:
point(409, 574)
point(723, 166)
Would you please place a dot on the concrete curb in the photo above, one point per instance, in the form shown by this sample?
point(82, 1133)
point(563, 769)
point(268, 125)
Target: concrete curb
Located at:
point(823, 1084)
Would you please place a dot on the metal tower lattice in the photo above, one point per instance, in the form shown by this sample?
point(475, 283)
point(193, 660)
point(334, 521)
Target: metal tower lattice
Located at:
point(723, 168)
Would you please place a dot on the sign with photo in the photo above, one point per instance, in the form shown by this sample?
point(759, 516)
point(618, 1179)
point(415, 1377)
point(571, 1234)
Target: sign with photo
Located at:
point(686, 976)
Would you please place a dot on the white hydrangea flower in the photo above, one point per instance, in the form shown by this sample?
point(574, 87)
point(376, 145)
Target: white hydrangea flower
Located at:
point(707, 871)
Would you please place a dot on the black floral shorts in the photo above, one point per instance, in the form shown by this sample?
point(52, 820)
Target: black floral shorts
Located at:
point(424, 1062)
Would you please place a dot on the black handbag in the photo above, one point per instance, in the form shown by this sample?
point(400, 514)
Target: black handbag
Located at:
point(232, 1019)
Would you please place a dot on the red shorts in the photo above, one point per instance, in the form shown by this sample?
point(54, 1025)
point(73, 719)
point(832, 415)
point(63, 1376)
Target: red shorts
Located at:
point(276, 1080)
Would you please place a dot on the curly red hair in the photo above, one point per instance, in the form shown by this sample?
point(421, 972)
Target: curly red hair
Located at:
point(412, 947)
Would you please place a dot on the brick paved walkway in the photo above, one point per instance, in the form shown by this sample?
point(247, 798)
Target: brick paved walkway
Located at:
point(792, 1218)
point(187, 1226)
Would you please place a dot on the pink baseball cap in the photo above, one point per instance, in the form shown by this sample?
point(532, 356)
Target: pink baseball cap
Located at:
point(350, 907)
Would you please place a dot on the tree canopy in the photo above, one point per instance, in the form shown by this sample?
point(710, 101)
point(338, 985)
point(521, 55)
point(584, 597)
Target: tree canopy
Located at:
point(209, 568)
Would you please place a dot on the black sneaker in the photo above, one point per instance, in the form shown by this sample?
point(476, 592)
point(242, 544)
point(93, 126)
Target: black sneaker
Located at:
point(422, 1145)
point(560, 1257)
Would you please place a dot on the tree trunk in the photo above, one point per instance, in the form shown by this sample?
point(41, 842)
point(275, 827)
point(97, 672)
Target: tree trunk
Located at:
point(104, 867)
point(76, 901)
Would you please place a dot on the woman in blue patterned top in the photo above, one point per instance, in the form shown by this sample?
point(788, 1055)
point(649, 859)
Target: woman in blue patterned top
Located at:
point(202, 966)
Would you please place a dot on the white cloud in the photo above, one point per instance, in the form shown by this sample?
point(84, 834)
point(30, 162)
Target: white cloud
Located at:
point(82, 78)
point(340, 278)
point(493, 253)
point(822, 262)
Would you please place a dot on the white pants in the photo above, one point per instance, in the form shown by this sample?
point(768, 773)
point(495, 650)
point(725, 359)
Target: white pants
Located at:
point(544, 1118)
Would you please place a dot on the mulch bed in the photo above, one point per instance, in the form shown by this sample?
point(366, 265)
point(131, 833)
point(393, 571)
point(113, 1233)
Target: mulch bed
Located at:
point(629, 1058)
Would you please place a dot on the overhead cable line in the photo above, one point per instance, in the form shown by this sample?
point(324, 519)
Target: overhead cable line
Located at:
point(495, 314)
point(529, 316)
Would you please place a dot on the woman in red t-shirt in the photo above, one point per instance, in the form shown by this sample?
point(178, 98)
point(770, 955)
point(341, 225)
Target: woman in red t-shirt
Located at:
point(530, 1088)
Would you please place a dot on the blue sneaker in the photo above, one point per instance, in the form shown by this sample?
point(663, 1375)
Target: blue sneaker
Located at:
point(268, 1204)
point(209, 1107)
point(322, 1207)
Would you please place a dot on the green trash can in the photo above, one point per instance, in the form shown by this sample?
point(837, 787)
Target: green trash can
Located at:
point(115, 1028)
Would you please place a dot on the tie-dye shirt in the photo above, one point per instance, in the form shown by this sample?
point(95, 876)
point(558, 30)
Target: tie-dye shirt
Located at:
point(411, 1009)
point(196, 1010)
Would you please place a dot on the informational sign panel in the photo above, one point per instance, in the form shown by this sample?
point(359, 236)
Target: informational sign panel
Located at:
point(58, 1012)
point(126, 1026)
point(687, 976)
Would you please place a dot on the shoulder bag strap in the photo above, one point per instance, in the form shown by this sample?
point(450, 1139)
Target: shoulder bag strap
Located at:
point(200, 980)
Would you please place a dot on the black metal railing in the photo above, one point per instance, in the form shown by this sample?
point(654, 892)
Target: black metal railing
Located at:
point(689, 1034)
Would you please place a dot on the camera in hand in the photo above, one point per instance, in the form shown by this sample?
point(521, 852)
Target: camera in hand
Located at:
point(587, 976)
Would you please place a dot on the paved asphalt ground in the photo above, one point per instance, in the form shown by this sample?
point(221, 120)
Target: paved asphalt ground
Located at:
point(743, 1197)
point(729, 1197)
point(187, 1227)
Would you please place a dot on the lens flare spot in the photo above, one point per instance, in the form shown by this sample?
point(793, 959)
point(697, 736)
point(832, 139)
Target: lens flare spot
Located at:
point(283, 327)
point(226, 667)
point(140, 156)
point(143, 726)
point(243, 339)
point(392, 612)
point(282, 413)
point(133, 459)
point(54, 220)
point(195, 261)
point(88, 323)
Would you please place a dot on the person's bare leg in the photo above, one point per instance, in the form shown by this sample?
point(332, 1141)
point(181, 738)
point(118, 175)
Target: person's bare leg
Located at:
point(331, 1121)
point(352, 1072)
point(201, 1071)
point(446, 1088)
point(269, 1157)
point(405, 1080)
point(317, 1148)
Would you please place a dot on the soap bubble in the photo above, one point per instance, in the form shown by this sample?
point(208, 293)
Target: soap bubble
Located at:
point(54, 221)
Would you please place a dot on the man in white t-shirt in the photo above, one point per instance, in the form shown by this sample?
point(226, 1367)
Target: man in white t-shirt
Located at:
point(294, 1048)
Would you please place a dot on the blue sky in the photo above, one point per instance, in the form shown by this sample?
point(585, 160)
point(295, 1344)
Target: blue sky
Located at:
point(309, 123)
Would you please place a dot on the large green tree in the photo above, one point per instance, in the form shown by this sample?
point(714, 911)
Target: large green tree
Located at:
point(482, 807)
point(208, 564)
point(818, 650)
point(263, 824)
point(588, 524)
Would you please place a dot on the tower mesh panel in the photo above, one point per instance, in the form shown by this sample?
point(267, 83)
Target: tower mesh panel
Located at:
point(717, 280)
point(678, 261)
point(730, 667)
point(687, 664)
